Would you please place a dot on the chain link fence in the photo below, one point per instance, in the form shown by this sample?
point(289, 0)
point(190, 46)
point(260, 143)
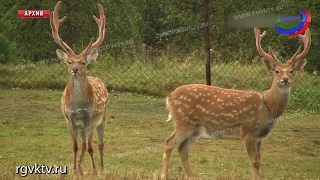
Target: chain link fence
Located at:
point(157, 75)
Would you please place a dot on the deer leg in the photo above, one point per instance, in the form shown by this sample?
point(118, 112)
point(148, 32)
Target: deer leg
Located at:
point(253, 149)
point(184, 149)
point(100, 131)
point(90, 151)
point(173, 141)
point(167, 145)
point(83, 149)
point(74, 136)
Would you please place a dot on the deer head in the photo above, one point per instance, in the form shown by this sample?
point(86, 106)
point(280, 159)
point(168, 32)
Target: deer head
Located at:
point(77, 64)
point(283, 72)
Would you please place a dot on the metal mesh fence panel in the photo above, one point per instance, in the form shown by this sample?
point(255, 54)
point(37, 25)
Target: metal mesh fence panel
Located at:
point(159, 76)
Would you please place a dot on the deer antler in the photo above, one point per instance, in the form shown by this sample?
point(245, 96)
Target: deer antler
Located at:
point(270, 56)
point(101, 24)
point(306, 39)
point(55, 22)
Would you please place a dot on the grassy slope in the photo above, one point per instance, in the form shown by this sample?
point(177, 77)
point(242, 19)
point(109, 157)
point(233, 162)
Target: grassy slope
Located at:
point(33, 130)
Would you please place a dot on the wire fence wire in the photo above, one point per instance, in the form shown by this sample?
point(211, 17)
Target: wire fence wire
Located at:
point(158, 76)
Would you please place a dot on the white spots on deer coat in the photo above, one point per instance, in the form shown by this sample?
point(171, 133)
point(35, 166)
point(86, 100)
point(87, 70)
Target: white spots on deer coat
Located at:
point(100, 94)
point(231, 115)
point(186, 118)
point(249, 120)
point(176, 102)
point(191, 111)
point(215, 122)
point(242, 100)
point(213, 105)
point(183, 97)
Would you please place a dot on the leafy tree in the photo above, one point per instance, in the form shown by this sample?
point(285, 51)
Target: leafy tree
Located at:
point(7, 48)
point(158, 24)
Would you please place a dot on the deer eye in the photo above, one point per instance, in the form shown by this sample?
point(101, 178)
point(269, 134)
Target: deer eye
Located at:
point(69, 62)
point(291, 72)
point(83, 63)
point(277, 72)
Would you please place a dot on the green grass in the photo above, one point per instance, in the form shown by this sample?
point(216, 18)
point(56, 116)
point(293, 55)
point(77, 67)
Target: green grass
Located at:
point(159, 76)
point(33, 130)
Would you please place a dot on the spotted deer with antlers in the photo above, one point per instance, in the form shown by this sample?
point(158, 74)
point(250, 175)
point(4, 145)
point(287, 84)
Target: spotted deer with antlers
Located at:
point(199, 110)
point(84, 98)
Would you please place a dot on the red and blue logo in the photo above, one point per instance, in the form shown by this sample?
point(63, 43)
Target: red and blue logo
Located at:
point(294, 29)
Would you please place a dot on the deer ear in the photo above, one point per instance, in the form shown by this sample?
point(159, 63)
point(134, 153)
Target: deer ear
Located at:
point(299, 65)
point(62, 56)
point(269, 64)
point(91, 56)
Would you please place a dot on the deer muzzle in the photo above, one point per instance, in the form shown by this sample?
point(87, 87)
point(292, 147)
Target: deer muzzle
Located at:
point(285, 80)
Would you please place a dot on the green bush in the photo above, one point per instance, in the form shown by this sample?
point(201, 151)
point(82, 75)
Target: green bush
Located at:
point(5, 49)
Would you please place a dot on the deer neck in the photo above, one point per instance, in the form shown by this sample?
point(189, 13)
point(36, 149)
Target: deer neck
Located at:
point(277, 99)
point(80, 91)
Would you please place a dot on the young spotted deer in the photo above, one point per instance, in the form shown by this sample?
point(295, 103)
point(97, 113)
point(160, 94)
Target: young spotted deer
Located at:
point(84, 98)
point(200, 110)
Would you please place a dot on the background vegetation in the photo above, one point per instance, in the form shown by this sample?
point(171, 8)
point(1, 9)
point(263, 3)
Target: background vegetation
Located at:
point(142, 21)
